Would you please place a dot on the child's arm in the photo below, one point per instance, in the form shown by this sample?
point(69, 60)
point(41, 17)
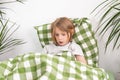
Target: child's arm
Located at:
point(81, 59)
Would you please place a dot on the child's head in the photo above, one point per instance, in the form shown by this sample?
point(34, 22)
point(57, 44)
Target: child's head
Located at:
point(62, 31)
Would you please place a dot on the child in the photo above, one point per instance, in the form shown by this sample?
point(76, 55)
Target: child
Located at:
point(62, 30)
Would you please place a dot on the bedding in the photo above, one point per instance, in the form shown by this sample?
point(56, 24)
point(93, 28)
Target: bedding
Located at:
point(40, 66)
point(84, 36)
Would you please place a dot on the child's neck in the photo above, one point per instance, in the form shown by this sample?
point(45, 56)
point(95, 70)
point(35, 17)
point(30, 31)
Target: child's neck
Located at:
point(63, 45)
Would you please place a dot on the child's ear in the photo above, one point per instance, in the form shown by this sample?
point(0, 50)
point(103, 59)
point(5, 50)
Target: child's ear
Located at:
point(73, 31)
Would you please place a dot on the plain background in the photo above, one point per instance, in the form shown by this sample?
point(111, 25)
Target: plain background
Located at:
point(36, 12)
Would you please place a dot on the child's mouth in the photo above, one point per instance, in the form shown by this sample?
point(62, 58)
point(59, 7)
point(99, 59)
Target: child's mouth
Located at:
point(60, 42)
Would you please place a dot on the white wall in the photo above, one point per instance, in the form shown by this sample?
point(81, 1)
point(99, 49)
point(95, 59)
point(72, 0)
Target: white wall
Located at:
point(37, 12)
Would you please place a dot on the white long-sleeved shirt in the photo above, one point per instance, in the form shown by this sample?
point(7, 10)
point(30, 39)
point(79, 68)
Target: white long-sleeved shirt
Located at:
point(71, 47)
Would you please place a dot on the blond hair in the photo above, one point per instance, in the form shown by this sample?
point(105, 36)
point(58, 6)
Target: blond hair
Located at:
point(64, 24)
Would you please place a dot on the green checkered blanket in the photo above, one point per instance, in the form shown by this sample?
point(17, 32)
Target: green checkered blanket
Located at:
point(39, 66)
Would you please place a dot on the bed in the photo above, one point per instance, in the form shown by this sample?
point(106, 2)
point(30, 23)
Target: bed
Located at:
point(41, 66)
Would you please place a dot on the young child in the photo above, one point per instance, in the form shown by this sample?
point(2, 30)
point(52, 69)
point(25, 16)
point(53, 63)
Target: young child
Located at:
point(62, 30)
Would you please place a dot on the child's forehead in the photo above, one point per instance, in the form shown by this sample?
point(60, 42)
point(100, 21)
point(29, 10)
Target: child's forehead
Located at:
point(57, 30)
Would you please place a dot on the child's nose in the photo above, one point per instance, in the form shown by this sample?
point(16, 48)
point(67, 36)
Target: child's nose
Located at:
point(60, 37)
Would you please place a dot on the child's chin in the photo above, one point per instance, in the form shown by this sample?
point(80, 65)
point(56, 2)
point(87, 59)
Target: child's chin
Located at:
point(61, 44)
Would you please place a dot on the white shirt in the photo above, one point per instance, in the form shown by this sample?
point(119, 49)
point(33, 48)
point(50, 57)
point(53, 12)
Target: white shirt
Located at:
point(71, 47)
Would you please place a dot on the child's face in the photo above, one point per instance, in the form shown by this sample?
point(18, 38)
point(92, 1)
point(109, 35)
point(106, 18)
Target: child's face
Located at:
point(61, 37)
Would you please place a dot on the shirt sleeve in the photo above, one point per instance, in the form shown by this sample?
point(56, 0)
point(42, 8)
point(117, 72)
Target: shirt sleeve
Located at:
point(45, 50)
point(48, 49)
point(76, 49)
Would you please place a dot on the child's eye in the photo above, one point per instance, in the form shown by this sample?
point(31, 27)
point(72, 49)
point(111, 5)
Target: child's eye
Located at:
point(63, 34)
point(56, 34)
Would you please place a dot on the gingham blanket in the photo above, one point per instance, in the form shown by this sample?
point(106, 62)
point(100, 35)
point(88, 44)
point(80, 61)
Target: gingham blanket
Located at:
point(38, 66)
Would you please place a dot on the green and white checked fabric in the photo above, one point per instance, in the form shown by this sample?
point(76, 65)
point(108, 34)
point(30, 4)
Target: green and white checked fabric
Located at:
point(39, 66)
point(84, 36)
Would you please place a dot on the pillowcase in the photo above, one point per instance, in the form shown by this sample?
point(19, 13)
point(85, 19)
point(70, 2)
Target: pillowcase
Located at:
point(84, 36)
